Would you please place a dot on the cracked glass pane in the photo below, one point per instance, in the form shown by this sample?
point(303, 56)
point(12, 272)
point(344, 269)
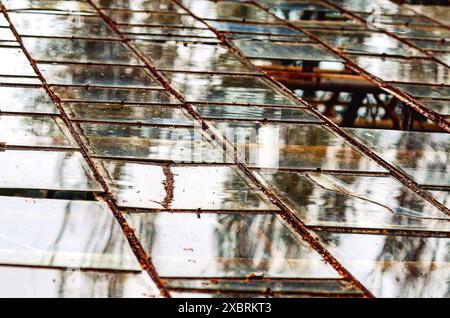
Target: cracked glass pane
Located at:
point(355, 202)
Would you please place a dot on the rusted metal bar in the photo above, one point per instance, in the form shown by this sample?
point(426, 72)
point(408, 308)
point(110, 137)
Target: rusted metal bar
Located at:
point(135, 244)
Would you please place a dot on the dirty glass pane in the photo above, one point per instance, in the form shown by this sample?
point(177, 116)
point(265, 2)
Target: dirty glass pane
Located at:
point(182, 144)
point(442, 196)
point(444, 57)
point(255, 113)
point(439, 106)
point(228, 10)
point(284, 51)
point(366, 42)
point(224, 245)
point(71, 283)
point(325, 287)
point(424, 156)
point(15, 63)
point(55, 5)
point(153, 18)
point(394, 266)
point(355, 202)
point(152, 114)
point(254, 28)
point(26, 99)
point(183, 188)
point(439, 13)
point(404, 70)
point(227, 89)
point(102, 75)
point(35, 131)
point(386, 6)
point(114, 95)
point(166, 32)
point(60, 233)
point(419, 31)
point(425, 90)
point(83, 51)
point(136, 5)
point(32, 24)
point(293, 146)
point(46, 170)
point(432, 44)
point(192, 57)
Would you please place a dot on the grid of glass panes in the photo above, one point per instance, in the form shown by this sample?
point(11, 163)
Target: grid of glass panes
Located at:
point(208, 226)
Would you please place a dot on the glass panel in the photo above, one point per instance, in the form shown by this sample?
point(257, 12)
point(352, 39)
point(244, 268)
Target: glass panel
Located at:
point(439, 106)
point(32, 24)
point(55, 283)
point(19, 80)
point(61, 233)
point(366, 42)
point(3, 21)
point(419, 31)
point(57, 5)
point(26, 99)
point(439, 13)
point(294, 146)
point(15, 63)
point(193, 188)
point(442, 196)
point(154, 18)
point(35, 131)
point(404, 70)
point(114, 95)
point(394, 266)
point(355, 202)
point(438, 45)
point(76, 74)
point(255, 113)
point(6, 34)
point(155, 143)
point(154, 114)
point(254, 28)
point(325, 287)
point(227, 89)
point(136, 5)
point(284, 51)
point(228, 10)
point(46, 170)
point(167, 32)
point(192, 57)
point(385, 6)
point(444, 57)
point(424, 156)
point(224, 245)
point(84, 51)
point(425, 90)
